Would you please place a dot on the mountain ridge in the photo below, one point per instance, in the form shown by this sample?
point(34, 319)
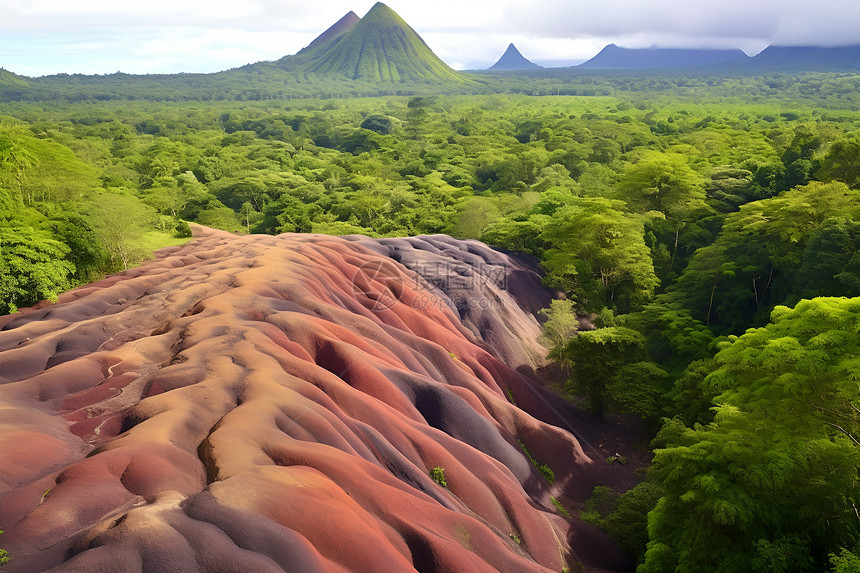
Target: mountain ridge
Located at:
point(613, 56)
point(11, 80)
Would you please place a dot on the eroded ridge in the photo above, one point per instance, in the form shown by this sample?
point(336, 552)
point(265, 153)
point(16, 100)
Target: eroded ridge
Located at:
point(278, 404)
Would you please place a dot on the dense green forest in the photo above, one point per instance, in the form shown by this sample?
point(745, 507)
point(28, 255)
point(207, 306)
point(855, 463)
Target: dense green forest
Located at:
point(706, 226)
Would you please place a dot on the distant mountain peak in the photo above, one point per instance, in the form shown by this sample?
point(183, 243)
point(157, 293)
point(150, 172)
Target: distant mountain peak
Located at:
point(382, 8)
point(512, 59)
point(379, 47)
point(337, 30)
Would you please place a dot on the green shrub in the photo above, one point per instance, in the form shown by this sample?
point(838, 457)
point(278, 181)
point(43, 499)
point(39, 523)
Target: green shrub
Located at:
point(438, 475)
point(183, 229)
point(547, 473)
point(845, 562)
point(601, 503)
point(4, 555)
point(624, 516)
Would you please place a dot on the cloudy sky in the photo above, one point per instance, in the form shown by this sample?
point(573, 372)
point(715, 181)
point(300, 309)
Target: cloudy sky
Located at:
point(39, 37)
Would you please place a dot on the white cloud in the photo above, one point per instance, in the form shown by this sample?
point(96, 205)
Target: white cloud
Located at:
point(100, 36)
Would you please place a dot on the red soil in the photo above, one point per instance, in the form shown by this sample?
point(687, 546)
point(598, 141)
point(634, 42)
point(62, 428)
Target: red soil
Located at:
point(277, 404)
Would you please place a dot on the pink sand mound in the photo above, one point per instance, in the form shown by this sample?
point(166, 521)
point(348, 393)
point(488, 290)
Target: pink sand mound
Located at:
point(278, 404)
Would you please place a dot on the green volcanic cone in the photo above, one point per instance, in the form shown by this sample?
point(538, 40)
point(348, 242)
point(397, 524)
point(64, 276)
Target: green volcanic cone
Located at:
point(381, 47)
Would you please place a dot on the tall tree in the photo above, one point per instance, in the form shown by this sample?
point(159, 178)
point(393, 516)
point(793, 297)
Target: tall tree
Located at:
point(599, 253)
point(33, 267)
point(772, 484)
point(120, 222)
point(609, 366)
point(662, 182)
point(842, 163)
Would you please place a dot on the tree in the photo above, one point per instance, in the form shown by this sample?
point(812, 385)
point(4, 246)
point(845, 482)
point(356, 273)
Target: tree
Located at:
point(662, 182)
point(15, 158)
point(220, 218)
point(521, 236)
point(382, 124)
point(755, 262)
point(665, 183)
point(473, 216)
point(798, 157)
point(831, 261)
point(120, 221)
point(609, 365)
point(86, 251)
point(598, 252)
point(845, 562)
point(561, 325)
point(772, 483)
point(624, 516)
point(842, 163)
point(33, 267)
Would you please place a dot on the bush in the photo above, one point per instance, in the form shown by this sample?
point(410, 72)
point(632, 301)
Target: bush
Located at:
point(183, 230)
point(547, 473)
point(4, 556)
point(438, 475)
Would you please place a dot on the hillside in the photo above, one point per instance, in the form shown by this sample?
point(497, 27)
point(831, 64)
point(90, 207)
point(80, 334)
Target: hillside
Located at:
point(10, 80)
point(512, 59)
point(281, 404)
point(613, 56)
point(381, 47)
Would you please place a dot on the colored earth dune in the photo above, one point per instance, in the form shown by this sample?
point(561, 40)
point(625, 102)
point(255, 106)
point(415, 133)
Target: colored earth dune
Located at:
point(279, 404)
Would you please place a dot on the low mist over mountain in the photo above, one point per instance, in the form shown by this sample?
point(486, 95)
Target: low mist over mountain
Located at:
point(512, 59)
point(807, 58)
point(613, 56)
point(772, 59)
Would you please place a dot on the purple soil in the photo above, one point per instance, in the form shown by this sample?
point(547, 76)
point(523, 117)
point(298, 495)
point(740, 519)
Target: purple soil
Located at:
point(277, 404)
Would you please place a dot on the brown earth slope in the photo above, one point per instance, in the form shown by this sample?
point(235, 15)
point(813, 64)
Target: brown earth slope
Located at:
point(277, 404)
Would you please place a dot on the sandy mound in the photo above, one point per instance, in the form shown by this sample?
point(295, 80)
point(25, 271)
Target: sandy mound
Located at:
point(277, 404)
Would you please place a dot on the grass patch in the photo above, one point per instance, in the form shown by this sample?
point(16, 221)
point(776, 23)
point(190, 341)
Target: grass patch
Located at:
point(543, 468)
point(154, 240)
point(560, 508)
